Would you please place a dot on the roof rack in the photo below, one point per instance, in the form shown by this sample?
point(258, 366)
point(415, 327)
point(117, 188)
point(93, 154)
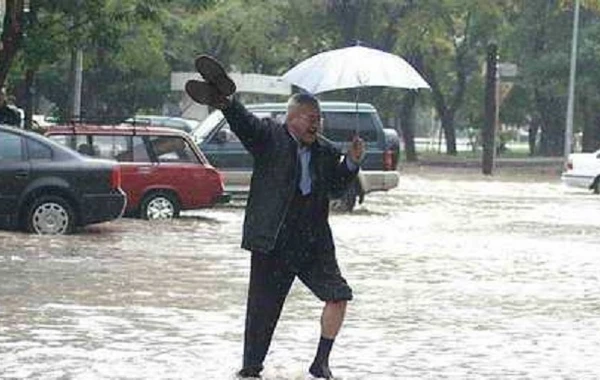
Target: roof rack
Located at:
point(104, 121)
point(73, 122)
point(99, 120)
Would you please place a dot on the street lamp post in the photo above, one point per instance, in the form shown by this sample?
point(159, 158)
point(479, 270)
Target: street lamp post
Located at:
point(571, 99)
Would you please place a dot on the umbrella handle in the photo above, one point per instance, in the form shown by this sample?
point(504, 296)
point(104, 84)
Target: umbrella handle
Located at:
point(356, 127)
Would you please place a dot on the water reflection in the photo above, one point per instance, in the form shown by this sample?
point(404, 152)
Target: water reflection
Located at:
point(454, 278)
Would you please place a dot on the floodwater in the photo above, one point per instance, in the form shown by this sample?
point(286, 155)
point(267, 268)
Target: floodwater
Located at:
point(455, 277)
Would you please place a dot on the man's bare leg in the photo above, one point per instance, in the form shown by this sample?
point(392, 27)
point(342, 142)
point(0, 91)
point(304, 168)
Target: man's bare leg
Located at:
point(332, 318)
point(331, 322)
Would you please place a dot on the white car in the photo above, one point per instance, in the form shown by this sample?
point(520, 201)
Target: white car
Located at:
point(583, 171)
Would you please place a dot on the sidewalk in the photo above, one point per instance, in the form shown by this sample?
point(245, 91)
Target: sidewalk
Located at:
point(451, 161)
point(523, 169)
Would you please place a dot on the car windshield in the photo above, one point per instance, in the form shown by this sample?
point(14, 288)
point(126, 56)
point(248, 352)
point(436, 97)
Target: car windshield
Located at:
point(202, 130)
point(208, 125)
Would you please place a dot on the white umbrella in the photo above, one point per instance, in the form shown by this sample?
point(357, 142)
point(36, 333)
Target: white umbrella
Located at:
point(353, 67)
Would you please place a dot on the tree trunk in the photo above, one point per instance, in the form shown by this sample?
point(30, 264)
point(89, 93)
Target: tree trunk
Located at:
point(534, 127)
point(445, 112)
point(552, 122)
point(552, 141)
point(447, 119)
point(591, 128)
point(12, 35)
point(596, 126)
point(593, 131)
point(29, 78)
point(407, 125)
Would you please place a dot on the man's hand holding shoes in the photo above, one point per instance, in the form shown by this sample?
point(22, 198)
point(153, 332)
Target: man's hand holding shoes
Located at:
point(216, 89)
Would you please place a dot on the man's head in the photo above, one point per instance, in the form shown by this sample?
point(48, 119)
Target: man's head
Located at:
point(303, 117)
point(168, 144)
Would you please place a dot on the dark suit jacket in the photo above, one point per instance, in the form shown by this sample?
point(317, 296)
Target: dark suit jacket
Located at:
point(275, 173)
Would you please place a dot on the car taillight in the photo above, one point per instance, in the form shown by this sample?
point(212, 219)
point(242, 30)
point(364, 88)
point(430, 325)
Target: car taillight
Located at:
point(388, 160)
point(569, 165)
point(115, 178)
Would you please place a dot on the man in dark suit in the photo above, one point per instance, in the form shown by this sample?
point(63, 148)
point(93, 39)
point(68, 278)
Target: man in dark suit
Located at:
point(286, 225)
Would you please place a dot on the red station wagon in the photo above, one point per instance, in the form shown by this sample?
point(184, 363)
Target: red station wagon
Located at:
point(163, 171)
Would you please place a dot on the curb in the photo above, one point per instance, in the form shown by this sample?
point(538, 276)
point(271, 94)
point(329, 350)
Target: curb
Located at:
point(541, 162)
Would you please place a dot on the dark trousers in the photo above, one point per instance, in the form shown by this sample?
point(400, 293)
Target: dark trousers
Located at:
point(270, 284)
point(304, 249)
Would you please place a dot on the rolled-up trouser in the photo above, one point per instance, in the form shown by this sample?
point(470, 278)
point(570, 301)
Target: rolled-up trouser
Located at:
point(302, 252)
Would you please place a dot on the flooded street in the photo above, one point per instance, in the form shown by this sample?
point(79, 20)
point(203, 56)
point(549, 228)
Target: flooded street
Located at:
point(454, 276)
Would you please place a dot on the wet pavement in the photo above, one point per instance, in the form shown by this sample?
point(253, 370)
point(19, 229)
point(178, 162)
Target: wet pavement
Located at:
point(455, 277)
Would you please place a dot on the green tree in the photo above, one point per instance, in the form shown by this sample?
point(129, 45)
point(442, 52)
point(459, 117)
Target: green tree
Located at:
point(450, 38)
point(13, 25)
point(123, 46)
point(588, 78)
point(540, 42)
point(248, 36)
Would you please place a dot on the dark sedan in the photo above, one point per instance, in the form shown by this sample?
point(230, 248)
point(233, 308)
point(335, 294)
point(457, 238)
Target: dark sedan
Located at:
point(49, 189)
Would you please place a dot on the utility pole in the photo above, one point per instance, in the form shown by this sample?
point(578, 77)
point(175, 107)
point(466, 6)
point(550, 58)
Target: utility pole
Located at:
point(488, 134)
point(571, 100)
point(76, 76)
point(77, 82)
point(31, 18)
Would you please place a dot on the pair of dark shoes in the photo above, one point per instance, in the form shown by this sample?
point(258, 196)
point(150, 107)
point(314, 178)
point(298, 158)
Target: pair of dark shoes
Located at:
point(216, 87)
point(318, 371)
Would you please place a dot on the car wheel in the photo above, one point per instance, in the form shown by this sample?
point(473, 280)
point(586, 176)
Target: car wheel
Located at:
point(160, 205)
point(50, 215)
point(347, 201)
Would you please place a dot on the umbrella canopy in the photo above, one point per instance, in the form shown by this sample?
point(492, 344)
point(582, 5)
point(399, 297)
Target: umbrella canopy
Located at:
point(353, 67)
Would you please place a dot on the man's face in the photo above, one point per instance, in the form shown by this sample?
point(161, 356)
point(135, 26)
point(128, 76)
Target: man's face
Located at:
point(304, 121)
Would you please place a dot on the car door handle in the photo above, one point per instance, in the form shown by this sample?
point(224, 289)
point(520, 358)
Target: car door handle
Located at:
point(144, 170)
point(20, 174)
